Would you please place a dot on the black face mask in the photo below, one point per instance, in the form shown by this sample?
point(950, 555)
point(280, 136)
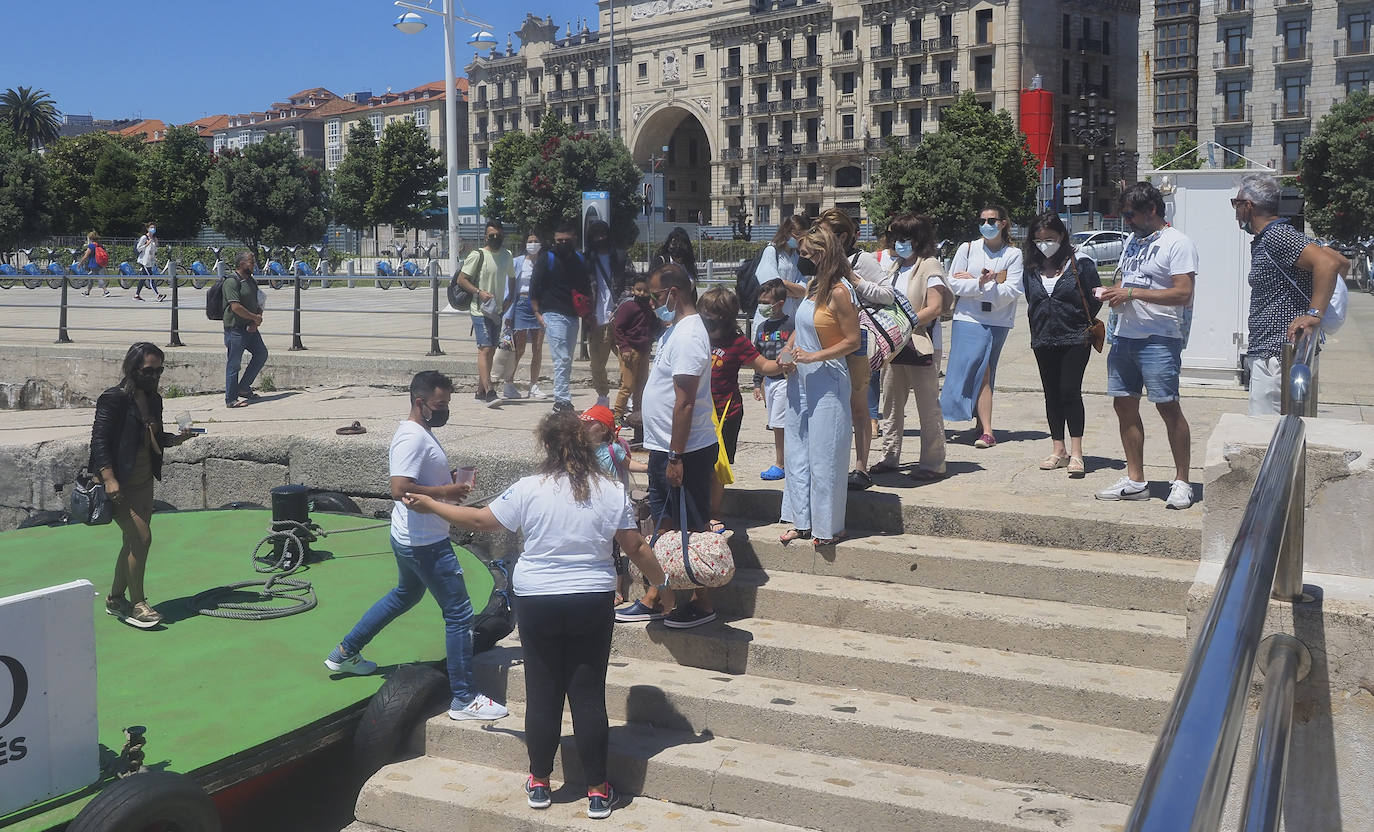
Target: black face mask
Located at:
point(437, 418)
point(599, 244)
point(148, 384)
point(494, 240)
point(563, 248)
point(806, 266)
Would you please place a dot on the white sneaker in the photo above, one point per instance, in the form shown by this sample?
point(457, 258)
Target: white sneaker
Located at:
point(480, 707)
point(355, 665)
point(510, 391)
point(1180, 495)
point(1125, 489)
point(535, 392)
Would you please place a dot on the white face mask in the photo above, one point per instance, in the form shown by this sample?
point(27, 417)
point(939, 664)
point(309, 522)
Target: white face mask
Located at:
point(902, 249)
point(1047, 247)
point(531, 248)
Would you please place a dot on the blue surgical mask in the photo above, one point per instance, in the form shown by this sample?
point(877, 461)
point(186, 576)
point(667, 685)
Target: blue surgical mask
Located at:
point(792, 243)
point(902, 248)
point(989, 231)
point(664, 313)
point(152, 231)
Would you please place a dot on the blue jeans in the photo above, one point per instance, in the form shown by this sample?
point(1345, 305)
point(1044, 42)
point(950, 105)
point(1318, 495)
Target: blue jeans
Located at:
point(433, 567)
point(875, 385)
point(236, 341)
point(1150, 363)
point(561, 334)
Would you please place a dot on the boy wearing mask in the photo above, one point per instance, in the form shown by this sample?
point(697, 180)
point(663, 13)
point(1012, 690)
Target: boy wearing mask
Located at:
point(634, 329)
point(769, 338)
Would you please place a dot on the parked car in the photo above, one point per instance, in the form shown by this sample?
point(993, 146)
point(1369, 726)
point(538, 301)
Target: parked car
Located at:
point(1100, 246)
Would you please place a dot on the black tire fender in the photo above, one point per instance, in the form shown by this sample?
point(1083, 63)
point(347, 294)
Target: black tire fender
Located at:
point(413, 693)
point(44, 518)
point(150, 800)
point(334, 501)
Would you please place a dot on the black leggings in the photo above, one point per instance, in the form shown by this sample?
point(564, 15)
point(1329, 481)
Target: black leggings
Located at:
point(1061, 376)
point(567, 645)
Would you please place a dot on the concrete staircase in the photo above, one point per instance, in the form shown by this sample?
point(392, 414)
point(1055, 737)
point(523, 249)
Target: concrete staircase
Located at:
point(894, 682)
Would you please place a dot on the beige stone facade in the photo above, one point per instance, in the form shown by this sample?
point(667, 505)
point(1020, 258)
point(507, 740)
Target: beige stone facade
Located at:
point(789, 103)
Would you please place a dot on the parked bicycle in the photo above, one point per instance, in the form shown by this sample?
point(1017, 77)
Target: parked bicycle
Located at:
point(201, 276)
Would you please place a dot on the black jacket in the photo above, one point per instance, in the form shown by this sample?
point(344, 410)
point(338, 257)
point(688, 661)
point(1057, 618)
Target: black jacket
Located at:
point(119, 430)
point(552, 286)
point(1059, 320)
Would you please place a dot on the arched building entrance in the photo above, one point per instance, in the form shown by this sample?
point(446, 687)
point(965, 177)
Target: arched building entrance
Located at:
point(685, 165)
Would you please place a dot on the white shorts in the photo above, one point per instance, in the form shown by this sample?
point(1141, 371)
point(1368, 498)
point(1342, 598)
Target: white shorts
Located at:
point(1266, 386)
point(775, 397)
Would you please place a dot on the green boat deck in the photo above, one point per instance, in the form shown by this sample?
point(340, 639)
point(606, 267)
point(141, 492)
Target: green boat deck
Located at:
point(210, 690)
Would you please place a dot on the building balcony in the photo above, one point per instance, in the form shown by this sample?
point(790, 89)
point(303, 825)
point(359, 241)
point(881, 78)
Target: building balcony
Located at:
point(807, 148)
point(806, 185)
point(882, 51)
point(1291, 110)
point(1351, 48)
point(732, 154)
point(760, 68)
point(480, 137)
point(1091, 45)
point(907, 93)
point(763, 151)
point(728, 72)
point(949, 44)
point(758, 108)
point(880, 143)
point(798, 105)
point(1292, 54)
point(915, 47)
point(944, 89)
point(507, 101)
point(1229, 8)
point(532, 99)
point(732, 111)
point(1293, 4)
point(844, 145)
point(1240, 61)
point(558, 95)
point(480, 104)
point(809, 62)
point(880, 96)
point(844, 57)
point(783, 65)
point(1242, 114)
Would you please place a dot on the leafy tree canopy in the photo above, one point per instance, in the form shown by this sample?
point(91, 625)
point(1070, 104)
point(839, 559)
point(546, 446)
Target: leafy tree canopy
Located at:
point(1182, 156)
point(267, 194)
point(24, 193)
point(31, 114)
point(354, 178)
point(975, 158)
point(172, 182)
point(409, 175)
point(71, 163)
point(114, 203)
point(1336, 170)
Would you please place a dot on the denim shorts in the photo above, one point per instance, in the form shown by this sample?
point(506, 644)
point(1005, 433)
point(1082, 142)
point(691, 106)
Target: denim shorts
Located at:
point(484, 331)
point(1150, 363)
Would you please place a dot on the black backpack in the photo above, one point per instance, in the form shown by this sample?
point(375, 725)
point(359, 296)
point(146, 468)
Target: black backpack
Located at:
point(214, 300)
point(747, 283)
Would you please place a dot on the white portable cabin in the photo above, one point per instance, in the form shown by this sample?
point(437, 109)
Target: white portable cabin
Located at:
point(1198, 203)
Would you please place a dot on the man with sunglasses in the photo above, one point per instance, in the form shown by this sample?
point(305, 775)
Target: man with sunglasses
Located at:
point(1153, 297)
point(242, 317)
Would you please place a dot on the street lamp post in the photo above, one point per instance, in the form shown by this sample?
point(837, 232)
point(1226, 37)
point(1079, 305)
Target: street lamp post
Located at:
point(412, 23)
point(1093, 125)
point(1121, 162)
point(742, 226)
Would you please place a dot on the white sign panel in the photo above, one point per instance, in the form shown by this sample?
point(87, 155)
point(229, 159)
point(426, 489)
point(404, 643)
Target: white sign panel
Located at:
point(48, 740)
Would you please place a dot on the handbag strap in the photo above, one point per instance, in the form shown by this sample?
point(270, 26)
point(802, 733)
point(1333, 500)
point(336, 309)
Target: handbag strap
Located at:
point(1082, 296)
point(686, 536)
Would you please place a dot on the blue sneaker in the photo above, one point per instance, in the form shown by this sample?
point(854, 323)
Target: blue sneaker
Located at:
point(600, 805)
point(637, 612)
point(773, 473)
point(538, 794)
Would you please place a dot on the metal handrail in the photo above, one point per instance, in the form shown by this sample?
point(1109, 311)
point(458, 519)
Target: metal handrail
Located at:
point(1300, 370)
point(1186, 780)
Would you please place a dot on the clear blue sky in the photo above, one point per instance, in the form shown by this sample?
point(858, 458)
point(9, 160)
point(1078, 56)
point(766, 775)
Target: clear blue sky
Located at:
point(178, 60)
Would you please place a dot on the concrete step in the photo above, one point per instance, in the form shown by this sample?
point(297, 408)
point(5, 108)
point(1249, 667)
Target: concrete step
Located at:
point(1132, 638)
point(1105, 579)
point(1123, 697)
point(1053, 520)
point(787, 786)
point(1063, 756)
point(428, 794)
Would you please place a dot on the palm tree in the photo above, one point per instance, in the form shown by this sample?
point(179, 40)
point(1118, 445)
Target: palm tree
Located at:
point(32, 114)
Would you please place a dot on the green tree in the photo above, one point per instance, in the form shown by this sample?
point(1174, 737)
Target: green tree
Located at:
point(507, 156)
point(409, 175)
point(24, 194)
point(354, 179)
point(267, 193)
point(1182, 156)
point(172, 182)
point(114, 203)
point(975, 158)
point(1336, 170)
point(31, 114)
point(71, 165)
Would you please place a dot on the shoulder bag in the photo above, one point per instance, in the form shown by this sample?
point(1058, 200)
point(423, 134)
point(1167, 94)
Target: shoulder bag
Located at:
point(693, 560)
point(90, 504)
point(458, 297)
point(1096, 332)
point(724, 474)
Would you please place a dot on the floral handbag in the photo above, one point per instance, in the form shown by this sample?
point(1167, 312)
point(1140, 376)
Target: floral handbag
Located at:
point(694, 559)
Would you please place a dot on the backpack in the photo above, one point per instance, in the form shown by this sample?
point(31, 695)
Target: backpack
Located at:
point(102, 257)
point(458, 297)
point(747, 283)
point(214, 300)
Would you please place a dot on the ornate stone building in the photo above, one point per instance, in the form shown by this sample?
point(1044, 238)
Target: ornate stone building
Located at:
point(784, 105)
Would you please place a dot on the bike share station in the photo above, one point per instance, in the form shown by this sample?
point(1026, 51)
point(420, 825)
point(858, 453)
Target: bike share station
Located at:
point(106, 728)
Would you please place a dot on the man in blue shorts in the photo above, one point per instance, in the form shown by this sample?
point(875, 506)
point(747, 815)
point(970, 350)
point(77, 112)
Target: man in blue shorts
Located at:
point(1153, 297)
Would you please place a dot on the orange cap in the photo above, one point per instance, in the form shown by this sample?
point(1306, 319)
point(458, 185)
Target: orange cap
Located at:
point(599, 413)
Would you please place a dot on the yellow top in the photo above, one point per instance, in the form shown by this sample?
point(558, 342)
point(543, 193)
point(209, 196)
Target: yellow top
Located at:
point(827, 326)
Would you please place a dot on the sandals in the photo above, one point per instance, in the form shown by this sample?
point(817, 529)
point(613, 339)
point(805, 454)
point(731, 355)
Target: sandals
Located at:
point(351, 430)
point(238, 403)
point(717, 527)
point(1076, 468)
point(251, 395)
point(839, 537)
point(859, 480)
point(1054, 461)
point(882, 467)
point(794, 534)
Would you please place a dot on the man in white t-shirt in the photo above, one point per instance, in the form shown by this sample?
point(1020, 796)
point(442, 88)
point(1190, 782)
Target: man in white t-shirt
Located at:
point(678, 431)
point(424, 555)
point(1153, 300)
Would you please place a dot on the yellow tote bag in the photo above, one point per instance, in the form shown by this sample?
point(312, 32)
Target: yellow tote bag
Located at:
point(723, 472)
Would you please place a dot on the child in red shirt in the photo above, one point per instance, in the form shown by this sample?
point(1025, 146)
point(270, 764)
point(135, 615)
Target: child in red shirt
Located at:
point(730, 350)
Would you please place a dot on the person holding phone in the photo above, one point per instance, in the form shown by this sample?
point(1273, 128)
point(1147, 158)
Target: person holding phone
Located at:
point(147, 262)
point(986, 279)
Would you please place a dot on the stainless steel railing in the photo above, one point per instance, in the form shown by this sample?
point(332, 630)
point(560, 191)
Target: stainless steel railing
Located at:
point(1186, 780)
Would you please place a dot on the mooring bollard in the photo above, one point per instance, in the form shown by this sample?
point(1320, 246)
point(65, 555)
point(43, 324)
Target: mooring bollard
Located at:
point(296, 315)
point(62, 336)
point(174, 339)
point(434, 316)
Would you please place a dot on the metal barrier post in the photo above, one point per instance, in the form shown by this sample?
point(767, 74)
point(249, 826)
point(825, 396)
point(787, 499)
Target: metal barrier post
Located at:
point(1286, 370)
point(1288, 571)
point(1286, 662)
point(434, 316)
point(296, 313)
point(62, 336)
point(174, 339)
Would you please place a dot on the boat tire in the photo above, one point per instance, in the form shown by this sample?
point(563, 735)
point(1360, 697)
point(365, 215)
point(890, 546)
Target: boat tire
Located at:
point(334, 501)
point(413, 693)
point(149, 800)
point(44, 518)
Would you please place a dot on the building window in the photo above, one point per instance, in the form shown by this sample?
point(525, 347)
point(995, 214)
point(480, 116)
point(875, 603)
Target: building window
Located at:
point(333, 132)
point(761, 134)
point(885, 34)
point(642, 69)
point(734, 177)
point(733, 95)
point(1357, 29)
point(813, 86)
point(333, 157)
point(534, 83)
point(1106, 38)
point(763, 175)
point(983, 26)
point(421, 116)
point(761, 92)
point(847, 40)
point(1295, 39)
point(913, 121)
point(1067, 69)
point(1292, 146)
point(812, 45)
point(1174, 101)
point(982, 73)
point(849, 176)
point(885, 78)
point(913, 75)
point(699, 63)
point(1174, 47)
point(1066, 36)
point(811, 170)
point(761, 52)
point(1236, 147)
point(885, 123)
point(847, 83)
point(1294, 95)
point(786, 49)
point(1356, 80)
point(1235, 46)
point(847, 126)
point(785, 87)
point(376, 121)
point(1233, 99)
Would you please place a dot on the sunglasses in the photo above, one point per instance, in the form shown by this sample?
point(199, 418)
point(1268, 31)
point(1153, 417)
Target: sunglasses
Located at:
point(1236, 203)
point(659, 294)
point(989, 222)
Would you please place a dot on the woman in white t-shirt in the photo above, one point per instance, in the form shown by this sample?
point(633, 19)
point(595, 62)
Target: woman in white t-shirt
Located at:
point(524, 325)
point(986, 278)
point(564, 586)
